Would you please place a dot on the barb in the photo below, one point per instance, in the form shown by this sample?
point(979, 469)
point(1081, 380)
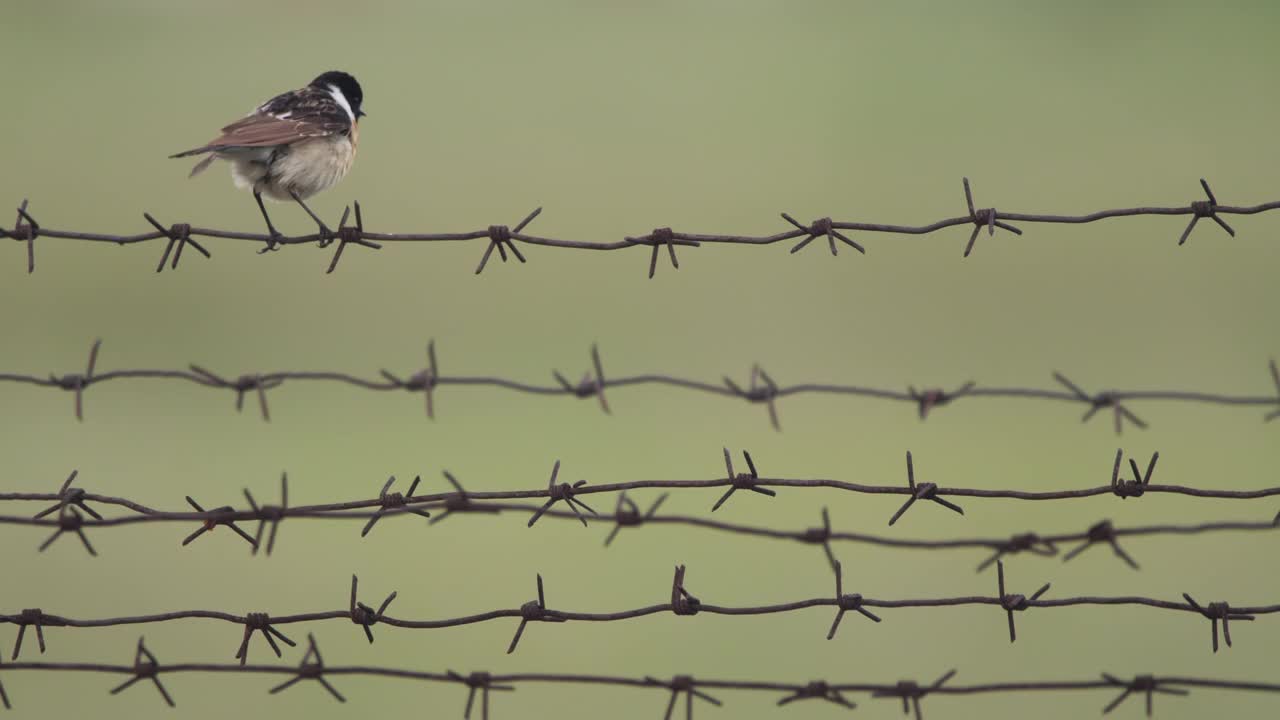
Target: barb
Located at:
point(1099, 401)
point(845, 603)
point(936, 397)
point(910, 692)
point(686, 685)
point(1275, 377)
point(69, 521)
point(923, 491)
point(533, 611)
point(1215, 612)
point(389, 502)
point(75, 382)
point(460, 502)
point(271, 515)
point(424, 380)
point(1205, 209)
point(310, 668)
point(68, 496)
point(215, 518)
point(481, 682)
point(760, 389)
point(659, 237)
point(179, 236)
point(363, 615)
point(260, 622)
point(1103, 531)
point(627, 514)
point(1015, 602)
point(562, 492)
point(821, 536)
point(1145, 684)
point(504, 239)
point(1032, 543)
point(589, 386)
point(819, 690)
point(145, 667)
point(254, 382)
point(749, 481)
point(348, 235)
point(681, 601)
point(824, 227)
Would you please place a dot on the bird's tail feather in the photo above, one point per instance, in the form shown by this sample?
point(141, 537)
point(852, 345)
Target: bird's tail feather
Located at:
point(201, 166)
point(192, 151)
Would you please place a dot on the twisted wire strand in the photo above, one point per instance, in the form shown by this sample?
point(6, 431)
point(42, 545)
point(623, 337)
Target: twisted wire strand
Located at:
point(502, 238)
point(910, 693)
point(760, 388)
point(75, 510)
point(682, 603)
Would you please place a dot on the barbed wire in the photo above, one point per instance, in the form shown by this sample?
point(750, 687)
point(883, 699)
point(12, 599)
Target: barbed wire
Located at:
point(503, 238)
point(71, 505)
point(911, 693)
point(682, 602)
point(760, 388)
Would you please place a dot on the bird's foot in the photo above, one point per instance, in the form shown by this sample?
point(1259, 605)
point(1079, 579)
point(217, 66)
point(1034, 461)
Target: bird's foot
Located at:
point(327, 236)
point(274, 240)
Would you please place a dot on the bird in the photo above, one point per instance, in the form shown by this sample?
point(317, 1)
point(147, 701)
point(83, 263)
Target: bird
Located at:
point(292, 146)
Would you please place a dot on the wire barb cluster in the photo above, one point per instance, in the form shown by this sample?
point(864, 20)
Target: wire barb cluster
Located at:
point(145, 667)
point(504, 239)
point(681, 602)
point(761, 388)
point(72, 512)
point(68, 501)
point(910, 693)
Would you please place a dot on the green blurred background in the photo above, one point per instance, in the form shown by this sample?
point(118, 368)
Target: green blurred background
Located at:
point(618, 117)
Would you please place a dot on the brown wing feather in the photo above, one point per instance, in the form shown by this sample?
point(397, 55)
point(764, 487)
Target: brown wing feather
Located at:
point(287, 118)
point(265, 130)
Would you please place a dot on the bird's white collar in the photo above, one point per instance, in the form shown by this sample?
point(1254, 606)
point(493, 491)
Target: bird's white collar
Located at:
point(341, 99)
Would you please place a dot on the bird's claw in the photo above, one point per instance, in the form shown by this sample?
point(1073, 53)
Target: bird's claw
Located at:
point(327, 236)
point(274, 240)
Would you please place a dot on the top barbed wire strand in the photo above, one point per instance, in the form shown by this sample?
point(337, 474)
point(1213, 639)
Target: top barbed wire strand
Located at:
point(502, 238)
point(759, 389)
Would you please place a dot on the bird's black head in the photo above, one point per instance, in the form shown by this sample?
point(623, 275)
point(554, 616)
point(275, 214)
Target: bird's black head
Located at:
point(346, 84)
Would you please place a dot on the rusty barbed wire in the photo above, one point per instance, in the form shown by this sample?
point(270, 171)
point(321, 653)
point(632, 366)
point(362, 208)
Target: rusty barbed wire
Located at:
point(910, 693)
point(682, 602)
point(503, 238)
point(760, 389)
point(71, 505)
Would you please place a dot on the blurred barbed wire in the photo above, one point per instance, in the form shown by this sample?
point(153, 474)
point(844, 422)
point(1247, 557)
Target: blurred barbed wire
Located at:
point(71, 510)
point(679, 689)
point(760, 388)
point(682, 602)
point(504, 238)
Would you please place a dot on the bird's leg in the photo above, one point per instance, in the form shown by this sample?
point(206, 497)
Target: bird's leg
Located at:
point(274, 239)
point(326, 235)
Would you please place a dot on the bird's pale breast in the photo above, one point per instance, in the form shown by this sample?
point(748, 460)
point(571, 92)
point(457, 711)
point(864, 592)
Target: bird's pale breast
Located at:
point(305, 168)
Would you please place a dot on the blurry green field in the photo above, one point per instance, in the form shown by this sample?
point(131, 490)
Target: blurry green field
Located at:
point(618, 118)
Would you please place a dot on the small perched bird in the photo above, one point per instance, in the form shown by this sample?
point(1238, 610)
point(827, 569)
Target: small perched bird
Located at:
point(293, 146)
